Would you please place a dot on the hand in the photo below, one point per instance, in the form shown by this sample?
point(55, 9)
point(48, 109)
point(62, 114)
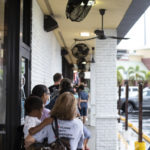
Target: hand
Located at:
point(79, 107)
point(48, 121)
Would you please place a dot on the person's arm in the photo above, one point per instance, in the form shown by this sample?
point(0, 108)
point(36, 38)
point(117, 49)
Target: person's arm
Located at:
point(79, 100)
point(36, 129)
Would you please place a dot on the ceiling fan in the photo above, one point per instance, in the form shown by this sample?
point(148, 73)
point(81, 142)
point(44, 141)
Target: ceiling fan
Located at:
point(100, 33)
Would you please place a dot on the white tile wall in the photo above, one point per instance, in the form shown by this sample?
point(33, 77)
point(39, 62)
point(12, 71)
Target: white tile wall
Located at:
point(46, 57)
point(104, 87)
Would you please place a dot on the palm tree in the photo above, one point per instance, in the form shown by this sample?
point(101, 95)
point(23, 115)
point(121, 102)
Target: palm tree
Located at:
point(119, 78)
point(136, 74)
point(124, 71)
point(148, 77)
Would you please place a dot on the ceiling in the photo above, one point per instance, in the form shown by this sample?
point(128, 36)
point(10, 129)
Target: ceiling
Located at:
point(115, 11)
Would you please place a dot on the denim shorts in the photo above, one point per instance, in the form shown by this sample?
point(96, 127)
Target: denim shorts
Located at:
point(83, 111)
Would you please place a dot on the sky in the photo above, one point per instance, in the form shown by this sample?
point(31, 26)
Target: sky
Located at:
point(138, 40)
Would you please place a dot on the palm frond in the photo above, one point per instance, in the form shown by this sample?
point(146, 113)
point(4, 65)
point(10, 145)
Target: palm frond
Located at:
point(121, 68)
point(131, 77)
point(144, 72)
point(137, 68)
point(130, 69)
point(140, 77)
point(131, 72)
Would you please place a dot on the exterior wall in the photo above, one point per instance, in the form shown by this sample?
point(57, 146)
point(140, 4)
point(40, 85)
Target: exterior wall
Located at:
point(46, 57)
point(146, 62)
point(144, 53)
point(105, 85)
point(135, 58)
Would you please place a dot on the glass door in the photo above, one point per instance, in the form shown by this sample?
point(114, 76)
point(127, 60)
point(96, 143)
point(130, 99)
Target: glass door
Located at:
point(25, 53)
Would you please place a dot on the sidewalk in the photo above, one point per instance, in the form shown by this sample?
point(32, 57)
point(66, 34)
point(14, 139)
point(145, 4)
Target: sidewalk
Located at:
point(91, 143)
point(126, 139)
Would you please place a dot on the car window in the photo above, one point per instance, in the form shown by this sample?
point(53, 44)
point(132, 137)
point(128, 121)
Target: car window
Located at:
point(145, 93)
point(148, 93)
point(134, 89)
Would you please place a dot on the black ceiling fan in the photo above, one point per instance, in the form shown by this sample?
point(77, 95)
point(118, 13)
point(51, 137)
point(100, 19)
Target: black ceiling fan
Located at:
point(100, 33)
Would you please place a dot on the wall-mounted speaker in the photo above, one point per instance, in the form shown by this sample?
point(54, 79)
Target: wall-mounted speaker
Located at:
point(49, 23)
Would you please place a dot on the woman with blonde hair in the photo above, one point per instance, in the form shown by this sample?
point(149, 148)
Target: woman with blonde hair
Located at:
point(65, 107)
point(69, 126)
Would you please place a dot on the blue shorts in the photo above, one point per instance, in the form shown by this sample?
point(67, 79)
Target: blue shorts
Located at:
point(83, 111)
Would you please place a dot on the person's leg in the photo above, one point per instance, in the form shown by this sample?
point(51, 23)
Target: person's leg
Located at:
point(85, 144)
point(84, 114)
point(81, 113)
point(87, 136)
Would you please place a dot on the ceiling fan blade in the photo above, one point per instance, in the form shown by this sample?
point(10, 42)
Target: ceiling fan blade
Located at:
point(86, 39)
point(119, 38)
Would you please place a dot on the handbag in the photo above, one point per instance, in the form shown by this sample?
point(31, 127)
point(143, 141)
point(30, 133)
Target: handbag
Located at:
point(39, 146)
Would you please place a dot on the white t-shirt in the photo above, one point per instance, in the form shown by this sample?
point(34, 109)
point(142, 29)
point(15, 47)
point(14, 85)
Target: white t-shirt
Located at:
point(29, 123)
point(71, 129)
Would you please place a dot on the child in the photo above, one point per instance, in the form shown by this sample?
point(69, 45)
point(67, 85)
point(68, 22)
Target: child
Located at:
point(42, 92)
point(33, 124)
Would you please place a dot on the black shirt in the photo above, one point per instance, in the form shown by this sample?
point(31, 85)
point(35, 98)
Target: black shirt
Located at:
point(53, 88)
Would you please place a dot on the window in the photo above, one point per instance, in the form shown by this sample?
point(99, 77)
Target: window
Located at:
point(134, 89)
point(148, 93)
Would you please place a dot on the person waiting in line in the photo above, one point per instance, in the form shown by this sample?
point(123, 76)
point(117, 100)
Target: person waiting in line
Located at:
point(33, 124)
point(86, 132)
point(57, 79)
point(83, 100)
point(69, 126)
point(87, 136)
point(54, 89)
point(42, 92)
point(65, 86)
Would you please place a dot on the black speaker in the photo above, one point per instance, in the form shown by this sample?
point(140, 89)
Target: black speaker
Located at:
point(49, 23)
point(63, 52)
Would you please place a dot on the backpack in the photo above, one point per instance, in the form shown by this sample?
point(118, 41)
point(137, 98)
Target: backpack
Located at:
point(53, 98)
point(61, 143)
point(54, 94)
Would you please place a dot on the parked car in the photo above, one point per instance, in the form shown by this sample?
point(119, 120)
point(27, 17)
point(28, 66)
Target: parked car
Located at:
point(133, 102)
point(133, 90)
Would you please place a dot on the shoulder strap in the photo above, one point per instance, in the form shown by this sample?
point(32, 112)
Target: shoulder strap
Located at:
point(55, 129)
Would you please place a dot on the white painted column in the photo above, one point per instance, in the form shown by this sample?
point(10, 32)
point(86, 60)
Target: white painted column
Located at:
point(92, 96)
point(105, 92)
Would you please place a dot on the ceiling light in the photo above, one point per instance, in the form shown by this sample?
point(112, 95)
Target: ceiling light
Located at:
point(84, 62)
point(75, 71)
point(84, 34)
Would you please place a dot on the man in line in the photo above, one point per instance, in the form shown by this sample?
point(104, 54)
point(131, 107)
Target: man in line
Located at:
point(54, 90)
point(56, 78)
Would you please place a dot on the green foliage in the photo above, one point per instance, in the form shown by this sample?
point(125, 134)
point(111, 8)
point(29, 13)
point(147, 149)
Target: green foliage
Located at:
point(133, 74)
point(119, 78)
point(121, 68)
point(148, 77)
point(136, 74)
